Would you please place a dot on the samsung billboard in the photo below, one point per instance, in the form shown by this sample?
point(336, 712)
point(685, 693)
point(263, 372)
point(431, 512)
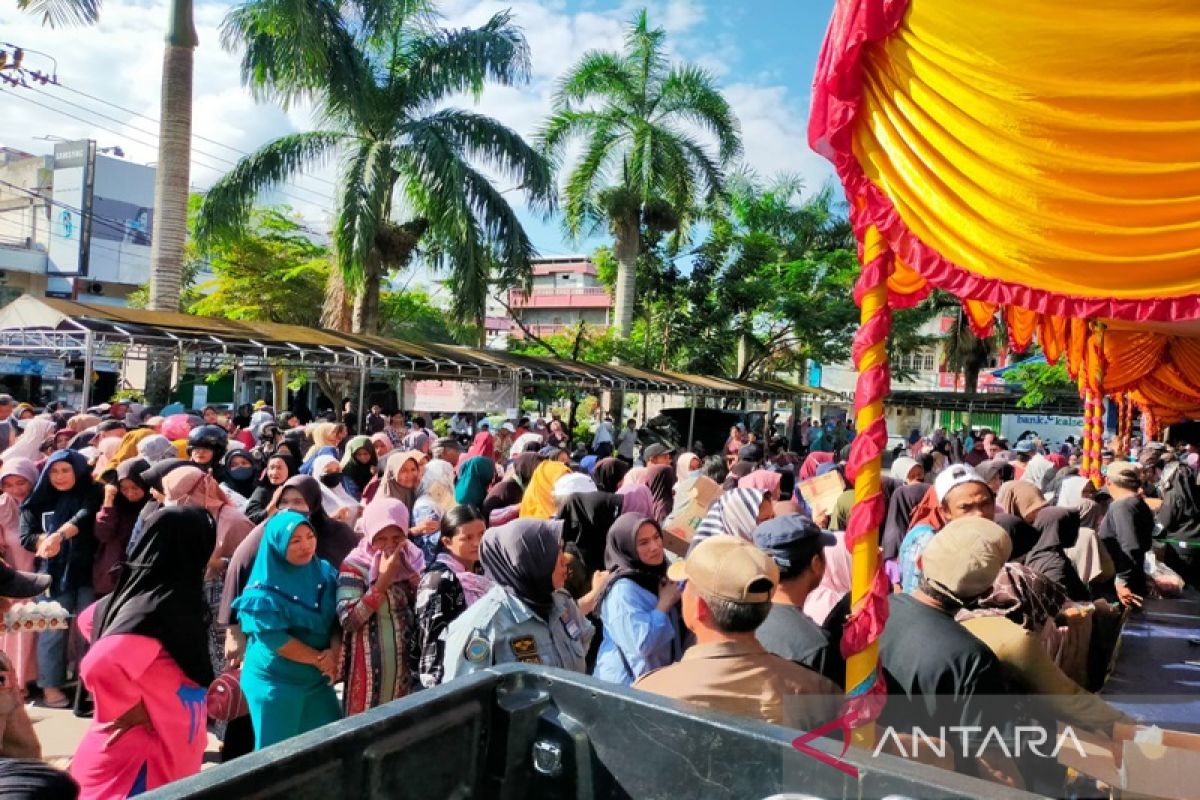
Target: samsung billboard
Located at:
point(103, 216)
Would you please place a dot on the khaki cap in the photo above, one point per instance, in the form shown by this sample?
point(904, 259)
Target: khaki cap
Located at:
point(1124, 474)
point(728, 567)
point(964, 558)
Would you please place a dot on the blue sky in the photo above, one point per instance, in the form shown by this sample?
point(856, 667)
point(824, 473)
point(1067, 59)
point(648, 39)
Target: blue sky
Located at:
point(762, 52)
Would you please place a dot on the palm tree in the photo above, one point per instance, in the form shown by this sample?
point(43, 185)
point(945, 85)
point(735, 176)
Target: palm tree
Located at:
point(641, 165)
point(410, 175)
point(174, 158)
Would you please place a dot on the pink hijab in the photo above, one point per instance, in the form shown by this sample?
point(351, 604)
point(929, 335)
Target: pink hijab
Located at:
point(762, 479)
point(809, 468)
point(176, 427)
point(378, 516)
point(383, 437)
point(636, 475)
point(834, 584)
point(192, 486)
point(10, 514)
point(482, 445)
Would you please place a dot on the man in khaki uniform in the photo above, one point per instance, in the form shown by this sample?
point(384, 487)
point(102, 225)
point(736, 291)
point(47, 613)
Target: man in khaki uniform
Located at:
point(727, 596)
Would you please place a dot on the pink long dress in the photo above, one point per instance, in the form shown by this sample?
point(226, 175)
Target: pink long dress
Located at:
point(120, 670)
point(21, 648)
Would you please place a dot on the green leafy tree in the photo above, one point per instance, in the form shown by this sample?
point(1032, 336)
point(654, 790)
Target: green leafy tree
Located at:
point(1040, 382)
point(412, 173)
point(643, 168)
point(410, 315)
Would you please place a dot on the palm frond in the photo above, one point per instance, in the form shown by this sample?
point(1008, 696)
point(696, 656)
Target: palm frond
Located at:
point(228, 204)
point(295, 49)
point(599, 74)
point(566, 125)
point(701, 162)
point(447, 62)
point(583, 184)
point(484, 140)
point(62, 13)
point(646, 53)
point(690, 93)
point(367, 183)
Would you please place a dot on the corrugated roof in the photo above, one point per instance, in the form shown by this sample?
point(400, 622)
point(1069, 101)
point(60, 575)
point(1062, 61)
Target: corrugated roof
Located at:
point(315, 347)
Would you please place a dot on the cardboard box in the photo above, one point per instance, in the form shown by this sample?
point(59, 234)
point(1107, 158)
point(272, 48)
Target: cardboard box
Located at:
point(822, 492)
point(677, 533)
point(1138, 762)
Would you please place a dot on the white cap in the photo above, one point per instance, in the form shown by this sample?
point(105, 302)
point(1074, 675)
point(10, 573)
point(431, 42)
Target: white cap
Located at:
point(954, 475)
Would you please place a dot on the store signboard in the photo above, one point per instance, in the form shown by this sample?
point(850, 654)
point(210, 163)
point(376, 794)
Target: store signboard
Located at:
point(47, 368)
point(449, 397)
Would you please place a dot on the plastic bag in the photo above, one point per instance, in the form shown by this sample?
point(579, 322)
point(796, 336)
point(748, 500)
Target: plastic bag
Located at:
point(1166, 581)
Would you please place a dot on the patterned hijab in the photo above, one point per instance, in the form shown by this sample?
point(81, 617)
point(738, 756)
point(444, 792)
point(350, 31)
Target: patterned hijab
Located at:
point(734, 513)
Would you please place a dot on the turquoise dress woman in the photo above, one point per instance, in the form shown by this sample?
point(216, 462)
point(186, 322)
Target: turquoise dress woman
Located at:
point(288, 613)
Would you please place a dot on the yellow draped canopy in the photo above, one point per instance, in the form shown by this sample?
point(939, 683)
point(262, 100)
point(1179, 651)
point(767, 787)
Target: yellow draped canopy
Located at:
point(1038, 160)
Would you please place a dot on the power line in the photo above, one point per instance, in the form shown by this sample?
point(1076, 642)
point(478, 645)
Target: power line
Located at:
point(114, 224)
point(156, 122)
point(154, 134)
point(150, 145)
point(97, 244)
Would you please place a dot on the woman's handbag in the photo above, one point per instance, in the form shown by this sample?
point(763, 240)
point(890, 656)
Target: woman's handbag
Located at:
point(225, 699)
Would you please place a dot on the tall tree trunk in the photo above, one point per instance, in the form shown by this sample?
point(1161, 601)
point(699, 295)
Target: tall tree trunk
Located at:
point(335, 313)
point(627, 245)
point(626, 248)
point(171, 185)
point(971, 376)
point(743, 353)
point(366, 299)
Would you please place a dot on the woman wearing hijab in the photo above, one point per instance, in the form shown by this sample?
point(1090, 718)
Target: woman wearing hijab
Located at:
point(1090, 558)
point(124, 499)
point(905, 500)
point(509, 491)
point(325, 437)
point(1179, 516)
point(280, 467)
point(737, 512)
point(482, 445)
point(376, 592)
point(288, 613)
point(835, 582)
point(538, 500)
point(639, 607)
point(156, 448)
point(527, 616)
point(1009, 619)
point(636, 499)
point(609, 473)
point(1039, 472)
point(1058, 528)
point(57, 521)
point(813, 460)
point(29, 443)
point(475, 477)
point(660, 479)
point(1021, 499)
point(587, 518)
point(359, 465)
point(762, 479)
point(238, 476)
point(381, 443)
point(435, 497)
point(190, 486)
point(128, 447)
point(452, 582)
point(17, 477)
point(147, 666)
point(400, 479)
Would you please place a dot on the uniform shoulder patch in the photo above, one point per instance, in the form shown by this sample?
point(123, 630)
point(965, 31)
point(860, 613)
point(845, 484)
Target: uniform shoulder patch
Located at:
point(477, 650)
point(525, 650)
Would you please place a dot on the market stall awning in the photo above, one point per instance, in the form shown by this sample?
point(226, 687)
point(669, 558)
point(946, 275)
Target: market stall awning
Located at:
point(56, 327)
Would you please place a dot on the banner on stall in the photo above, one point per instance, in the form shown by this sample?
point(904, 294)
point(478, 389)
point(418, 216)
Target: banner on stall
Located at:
point(449, 397)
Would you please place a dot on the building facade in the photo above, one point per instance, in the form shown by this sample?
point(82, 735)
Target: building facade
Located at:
point(76, 224)
point(564, 292)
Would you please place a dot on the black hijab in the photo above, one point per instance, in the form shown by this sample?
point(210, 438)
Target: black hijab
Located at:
point(521, 557)
point(509, 491)
point(1058, 528)
point(160, 593)
point(1022, 534)
point(587, 518)
point(243, 486)
point(1180, 510)
point(132, 471)
point(608, 474)
point(64, 505)
point(904, 501)
point(621, 559)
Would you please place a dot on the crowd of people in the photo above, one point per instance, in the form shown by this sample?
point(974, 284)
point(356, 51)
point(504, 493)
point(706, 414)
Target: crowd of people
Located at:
point(260, 577)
